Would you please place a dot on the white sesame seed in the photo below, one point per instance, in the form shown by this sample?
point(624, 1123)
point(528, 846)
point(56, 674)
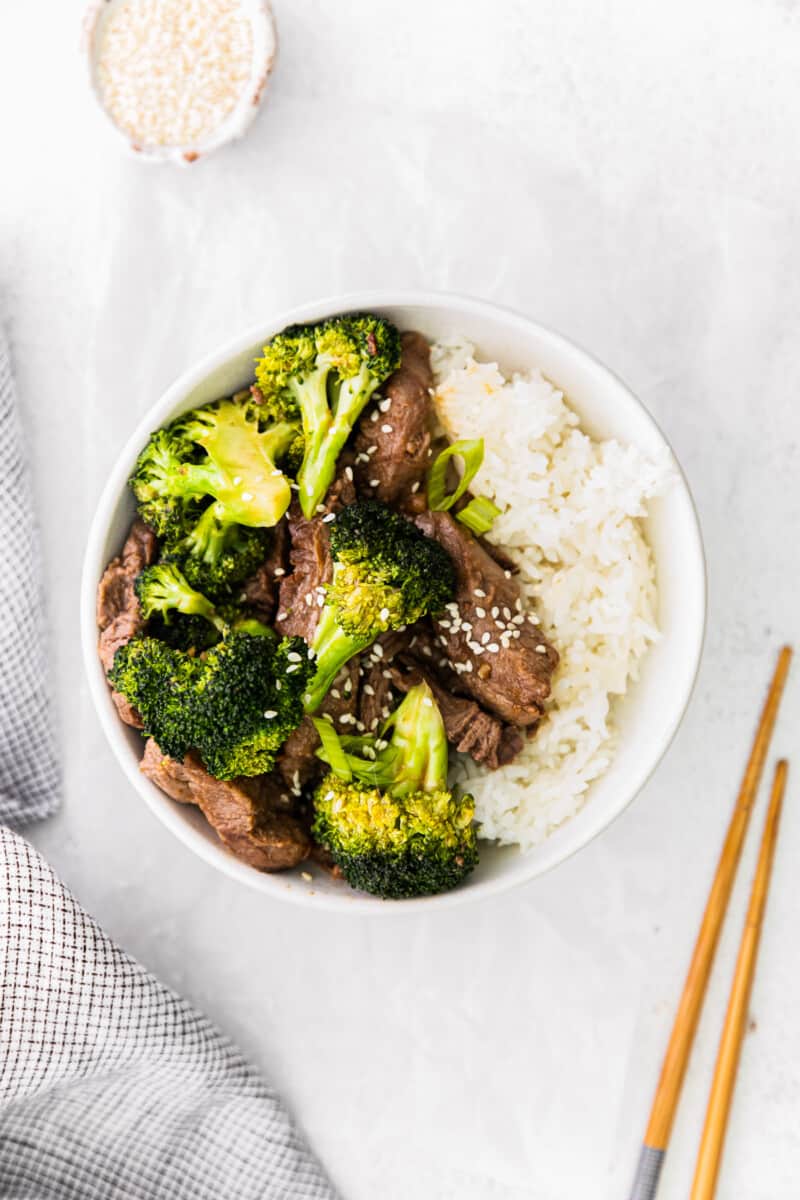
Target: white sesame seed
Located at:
point(306, 875)
point(385, 405)
point(374, 483)
point(373, 416)
point(328, 517)
point(278, 572)
point(493, 648)
point(480, 612)
point(414, 488)
point(372, 450)
point(479, 592)
point(270, 713)
point(282, 616)
point(541, 649)
point(495, 612)
point(384, 614)
point(377, 650)
point(369, 690)
point(387, 428)
point(485, 638)
point(293, 656)
point(348, 474)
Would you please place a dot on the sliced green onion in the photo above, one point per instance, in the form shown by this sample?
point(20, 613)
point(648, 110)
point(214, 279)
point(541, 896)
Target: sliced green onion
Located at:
point(471, 451)
point(332, 751)
point(479, 515)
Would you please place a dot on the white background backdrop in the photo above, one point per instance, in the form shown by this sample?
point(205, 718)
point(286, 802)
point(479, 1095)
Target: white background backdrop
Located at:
point(627, 172)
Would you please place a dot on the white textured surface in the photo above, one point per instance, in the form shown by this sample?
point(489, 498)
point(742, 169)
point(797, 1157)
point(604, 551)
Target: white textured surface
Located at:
point(626, 172)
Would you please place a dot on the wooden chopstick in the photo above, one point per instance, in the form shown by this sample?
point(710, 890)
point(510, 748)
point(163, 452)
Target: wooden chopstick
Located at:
point(673, 1069)
point(719, 1101)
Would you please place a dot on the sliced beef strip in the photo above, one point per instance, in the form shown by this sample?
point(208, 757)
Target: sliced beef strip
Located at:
point(297, 762)
point(248, 815)
point(393, 449)
point(512, 680)
point(261, 589)
point(310, 558)
point(118, 615)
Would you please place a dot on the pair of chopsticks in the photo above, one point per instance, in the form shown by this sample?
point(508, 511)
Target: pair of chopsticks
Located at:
point(673, 1068)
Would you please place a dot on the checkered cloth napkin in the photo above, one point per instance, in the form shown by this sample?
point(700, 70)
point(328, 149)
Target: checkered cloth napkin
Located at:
point(111, 1086)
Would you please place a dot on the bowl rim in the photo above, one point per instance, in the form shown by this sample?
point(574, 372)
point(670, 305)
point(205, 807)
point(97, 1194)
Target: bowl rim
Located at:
point(167, 811)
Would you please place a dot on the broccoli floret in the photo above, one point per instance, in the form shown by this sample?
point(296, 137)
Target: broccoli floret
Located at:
point(250, 699)
point(386, 574)
point(182, 617)
point(325, 374)
point(389, 821)
point(158, 681)
point(163, 590)
point(217, 558)
point(209, 485)
point(235, 705)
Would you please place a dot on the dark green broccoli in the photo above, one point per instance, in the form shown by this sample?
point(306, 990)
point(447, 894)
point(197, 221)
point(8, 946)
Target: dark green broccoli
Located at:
point(210, 485)
point(386, 575)
point(325, 374)
point(388, 819)
point(162, 590)
point(236, 704)
point(182, 617)
point(217, 558)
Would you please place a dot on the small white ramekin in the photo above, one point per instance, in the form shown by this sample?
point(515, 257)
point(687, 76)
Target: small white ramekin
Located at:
point(651, 711)
point(238, 121)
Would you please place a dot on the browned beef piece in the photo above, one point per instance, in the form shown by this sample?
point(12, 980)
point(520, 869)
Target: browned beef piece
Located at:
point(118, 615)
point(468, 727)
point(248, 815)
point(393, 449)
point(297, 762)
point(414, 655)
point(510, 662)
point(310, 558)
point(261, 589)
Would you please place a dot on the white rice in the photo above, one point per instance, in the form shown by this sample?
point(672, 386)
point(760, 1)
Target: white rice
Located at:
point(571, 520)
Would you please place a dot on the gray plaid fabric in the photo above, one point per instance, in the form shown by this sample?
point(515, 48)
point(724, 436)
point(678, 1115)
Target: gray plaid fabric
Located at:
point(28, 771)
point(111, 1086)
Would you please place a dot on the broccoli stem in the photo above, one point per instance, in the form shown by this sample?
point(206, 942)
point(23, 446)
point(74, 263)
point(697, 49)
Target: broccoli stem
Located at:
point(419, 744)
point(333, 648)
point(328, 435)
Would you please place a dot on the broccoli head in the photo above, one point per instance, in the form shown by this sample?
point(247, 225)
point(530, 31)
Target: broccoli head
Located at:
point(236, 704)
point(209, 485)
point(389, 820)
point(162, 590)
point(386, 574)
point(325, 374)
point(183, 617)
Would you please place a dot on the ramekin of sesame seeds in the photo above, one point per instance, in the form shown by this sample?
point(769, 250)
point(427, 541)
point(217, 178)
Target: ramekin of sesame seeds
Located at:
point(179, 78)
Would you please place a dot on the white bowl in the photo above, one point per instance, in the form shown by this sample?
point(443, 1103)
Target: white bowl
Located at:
point(650, 713)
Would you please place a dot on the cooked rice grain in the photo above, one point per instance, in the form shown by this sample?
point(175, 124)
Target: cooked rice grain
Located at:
point(571, 520)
